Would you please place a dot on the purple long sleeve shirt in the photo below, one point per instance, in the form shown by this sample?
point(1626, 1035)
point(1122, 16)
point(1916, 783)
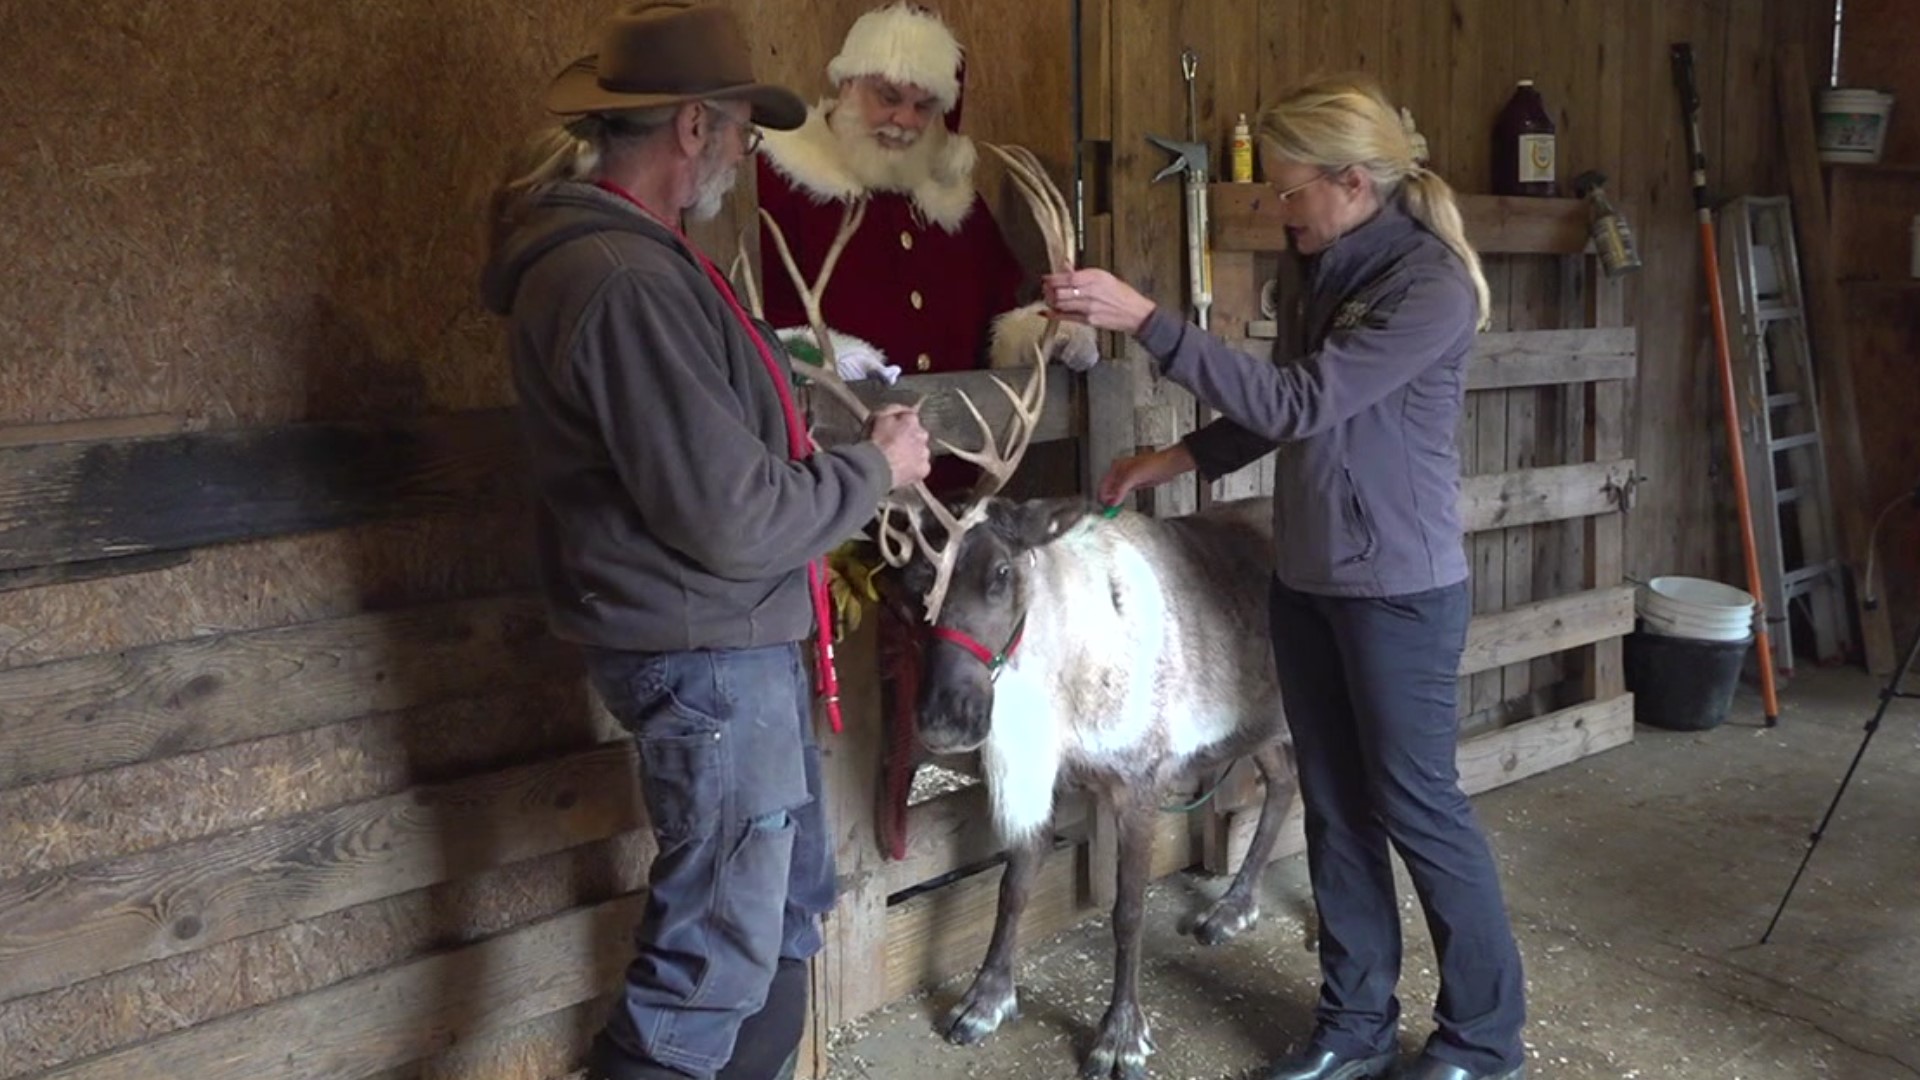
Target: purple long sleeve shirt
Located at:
point(1367, 481)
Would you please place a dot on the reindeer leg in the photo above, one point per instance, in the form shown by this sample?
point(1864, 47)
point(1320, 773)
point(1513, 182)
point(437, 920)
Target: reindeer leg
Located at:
point(1239, 907)
point(1120, 1049)
point(992, 1000)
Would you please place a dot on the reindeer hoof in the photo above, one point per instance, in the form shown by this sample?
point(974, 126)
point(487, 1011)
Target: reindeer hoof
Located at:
point(988, 1004)
point(1120, 1052)
point(1226, 920)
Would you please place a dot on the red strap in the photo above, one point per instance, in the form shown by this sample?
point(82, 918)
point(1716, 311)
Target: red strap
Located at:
point(980, 652)
point(799, 446)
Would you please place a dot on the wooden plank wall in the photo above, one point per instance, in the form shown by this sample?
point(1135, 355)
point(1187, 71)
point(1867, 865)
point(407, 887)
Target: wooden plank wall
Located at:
point(1870, 211)
point(292, 782)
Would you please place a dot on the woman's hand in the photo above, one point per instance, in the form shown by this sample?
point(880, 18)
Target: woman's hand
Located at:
point(1098, 299)
point(1144, 471)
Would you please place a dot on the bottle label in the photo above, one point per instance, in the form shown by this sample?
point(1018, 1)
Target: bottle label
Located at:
point(1536, 158)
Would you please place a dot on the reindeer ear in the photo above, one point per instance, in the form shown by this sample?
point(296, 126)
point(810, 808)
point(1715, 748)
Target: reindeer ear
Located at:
point(1038, 522)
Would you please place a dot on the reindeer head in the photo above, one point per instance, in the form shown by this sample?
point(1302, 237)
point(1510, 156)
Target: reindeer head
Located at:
point(981, 626)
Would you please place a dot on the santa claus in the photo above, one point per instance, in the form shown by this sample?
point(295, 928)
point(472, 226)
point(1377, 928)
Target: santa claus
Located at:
point(928, 283)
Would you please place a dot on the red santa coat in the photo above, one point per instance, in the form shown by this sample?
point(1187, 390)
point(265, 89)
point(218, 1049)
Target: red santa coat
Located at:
point(925, 277)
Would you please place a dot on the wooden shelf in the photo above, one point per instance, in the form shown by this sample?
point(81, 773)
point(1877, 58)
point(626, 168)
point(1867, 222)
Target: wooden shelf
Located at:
point(1886, 168)
point(1242, 220)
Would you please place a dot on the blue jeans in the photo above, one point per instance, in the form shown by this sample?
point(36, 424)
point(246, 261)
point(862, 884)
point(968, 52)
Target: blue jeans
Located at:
point(730, 776)
point(1370, 686)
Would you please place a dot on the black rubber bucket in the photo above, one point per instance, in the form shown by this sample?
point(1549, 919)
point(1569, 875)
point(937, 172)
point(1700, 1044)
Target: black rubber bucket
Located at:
point(1683, 684)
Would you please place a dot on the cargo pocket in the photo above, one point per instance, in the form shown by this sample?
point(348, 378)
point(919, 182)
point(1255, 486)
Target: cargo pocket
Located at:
point(1360, 538)
point(752, 901)
point(676, 709)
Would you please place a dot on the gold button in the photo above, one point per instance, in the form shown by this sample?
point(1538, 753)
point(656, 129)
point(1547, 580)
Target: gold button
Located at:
point(915, 298)
point(906, 240)
point(925, 362)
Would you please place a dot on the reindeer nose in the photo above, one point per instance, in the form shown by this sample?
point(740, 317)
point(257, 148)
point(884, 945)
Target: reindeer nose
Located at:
point(953, 719)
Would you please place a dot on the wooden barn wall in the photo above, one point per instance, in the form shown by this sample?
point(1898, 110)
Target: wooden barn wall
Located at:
point(1870, 210)
point(330, 803)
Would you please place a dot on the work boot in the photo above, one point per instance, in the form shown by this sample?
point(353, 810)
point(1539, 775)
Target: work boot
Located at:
point(1315, 1063)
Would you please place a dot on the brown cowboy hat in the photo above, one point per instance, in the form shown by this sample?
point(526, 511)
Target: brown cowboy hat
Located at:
point(666, 52)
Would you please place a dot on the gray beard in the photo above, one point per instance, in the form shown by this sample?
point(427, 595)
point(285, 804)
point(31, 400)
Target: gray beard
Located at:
point(710, 192)
point(881, 168)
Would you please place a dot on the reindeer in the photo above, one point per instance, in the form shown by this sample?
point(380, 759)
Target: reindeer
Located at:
point(1122, 655)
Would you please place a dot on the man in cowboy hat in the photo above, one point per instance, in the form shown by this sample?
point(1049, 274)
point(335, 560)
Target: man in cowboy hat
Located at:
point(681, 520)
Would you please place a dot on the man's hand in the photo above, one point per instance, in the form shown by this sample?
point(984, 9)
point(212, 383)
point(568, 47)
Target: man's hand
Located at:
point(897, 431)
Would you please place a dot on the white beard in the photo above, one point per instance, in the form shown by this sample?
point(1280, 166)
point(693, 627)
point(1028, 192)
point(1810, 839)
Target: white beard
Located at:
point(710, 194)
point(880, 167)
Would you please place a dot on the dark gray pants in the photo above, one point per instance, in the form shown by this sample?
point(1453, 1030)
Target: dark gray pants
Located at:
point(730, 775)
point(1370, 688)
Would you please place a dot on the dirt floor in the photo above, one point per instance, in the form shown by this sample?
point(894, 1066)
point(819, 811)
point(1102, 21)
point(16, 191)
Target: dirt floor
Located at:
point(1640, 881)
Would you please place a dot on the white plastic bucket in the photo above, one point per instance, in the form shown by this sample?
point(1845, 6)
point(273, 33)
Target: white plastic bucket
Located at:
point(1853, 125)
point(1695, 608)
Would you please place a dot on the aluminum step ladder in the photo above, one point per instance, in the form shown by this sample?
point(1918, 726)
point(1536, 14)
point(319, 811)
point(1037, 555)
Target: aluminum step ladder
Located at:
point(1794, 524)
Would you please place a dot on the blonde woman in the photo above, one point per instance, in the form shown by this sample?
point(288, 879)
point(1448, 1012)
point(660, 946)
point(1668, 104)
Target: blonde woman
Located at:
point(1370, 600)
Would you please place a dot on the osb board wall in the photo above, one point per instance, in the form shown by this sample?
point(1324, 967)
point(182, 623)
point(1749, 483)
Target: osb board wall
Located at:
point(232, 217)
point(1603, 68)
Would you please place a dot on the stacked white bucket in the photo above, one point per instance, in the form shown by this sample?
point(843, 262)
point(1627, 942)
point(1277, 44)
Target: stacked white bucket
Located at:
point(1695, 608)
point(1853, 125)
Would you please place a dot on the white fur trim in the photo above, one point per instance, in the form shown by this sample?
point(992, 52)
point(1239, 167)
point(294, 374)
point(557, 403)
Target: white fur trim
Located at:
point(902, 45)
point(1017, 332)
point(817, 160)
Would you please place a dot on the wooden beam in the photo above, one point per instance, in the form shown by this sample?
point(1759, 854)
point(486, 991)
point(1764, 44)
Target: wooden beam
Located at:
point(65, 926)
point(1503, 361)
point(112, 427)
point(1242, 218)
point(1548, 493)
point(73, 716)
point(397, 1016)
point(73, 501)
point(35, 577)
point(1547, 626)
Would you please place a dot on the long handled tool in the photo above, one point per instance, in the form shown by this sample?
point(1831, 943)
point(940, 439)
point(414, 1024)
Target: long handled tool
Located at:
point(1703, 210)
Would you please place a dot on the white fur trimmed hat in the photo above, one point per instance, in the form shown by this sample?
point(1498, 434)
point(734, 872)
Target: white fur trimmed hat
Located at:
point(903, 43)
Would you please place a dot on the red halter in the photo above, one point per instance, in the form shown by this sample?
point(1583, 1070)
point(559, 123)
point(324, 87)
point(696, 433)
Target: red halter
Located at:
point(994, 660)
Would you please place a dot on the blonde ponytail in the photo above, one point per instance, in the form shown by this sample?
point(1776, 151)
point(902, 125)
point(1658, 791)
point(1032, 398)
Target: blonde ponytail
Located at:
point(1346, 122)
point(1430, 201)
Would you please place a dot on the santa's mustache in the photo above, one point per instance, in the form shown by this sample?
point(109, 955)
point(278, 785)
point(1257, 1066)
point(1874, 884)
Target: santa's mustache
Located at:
point(894, 133)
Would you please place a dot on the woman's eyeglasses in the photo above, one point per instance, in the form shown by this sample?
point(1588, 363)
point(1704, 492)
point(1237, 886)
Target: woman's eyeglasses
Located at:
point(1289, 193)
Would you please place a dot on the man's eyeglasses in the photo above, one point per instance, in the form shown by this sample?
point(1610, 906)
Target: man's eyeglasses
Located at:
point(750, 133)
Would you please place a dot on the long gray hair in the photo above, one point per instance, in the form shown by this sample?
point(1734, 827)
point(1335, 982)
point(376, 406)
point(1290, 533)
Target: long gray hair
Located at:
point(572, 151)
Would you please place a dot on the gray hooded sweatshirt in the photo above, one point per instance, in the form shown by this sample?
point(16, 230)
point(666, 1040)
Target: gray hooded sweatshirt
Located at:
point(1367, 481)
point(669, 515)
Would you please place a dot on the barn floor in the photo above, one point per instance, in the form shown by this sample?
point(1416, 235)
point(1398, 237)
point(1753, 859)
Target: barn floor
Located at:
point(1640, 881)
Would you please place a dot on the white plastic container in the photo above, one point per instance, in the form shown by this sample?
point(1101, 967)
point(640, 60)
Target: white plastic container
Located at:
point(1853, 125)
point(1695, 608)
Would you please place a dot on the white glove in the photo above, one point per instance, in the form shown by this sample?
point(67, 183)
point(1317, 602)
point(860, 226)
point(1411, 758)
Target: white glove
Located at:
point(1075, 345)
point(1016, 333)
point(855, 358)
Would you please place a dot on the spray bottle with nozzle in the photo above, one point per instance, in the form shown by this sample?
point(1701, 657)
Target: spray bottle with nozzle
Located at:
point(1612, 236)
